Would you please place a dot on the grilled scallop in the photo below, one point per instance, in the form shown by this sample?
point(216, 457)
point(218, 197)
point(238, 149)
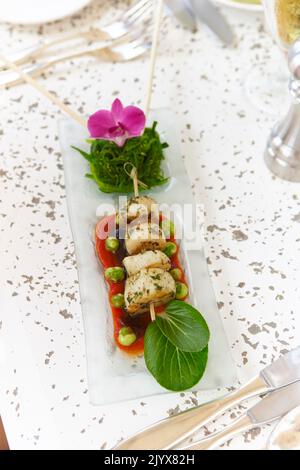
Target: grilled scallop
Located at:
point(141, 207)
point(144, 236)
point(148, 259)
point(152, 285)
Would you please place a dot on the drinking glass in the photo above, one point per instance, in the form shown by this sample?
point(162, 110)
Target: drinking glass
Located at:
point(267, 84)
point(283, 17)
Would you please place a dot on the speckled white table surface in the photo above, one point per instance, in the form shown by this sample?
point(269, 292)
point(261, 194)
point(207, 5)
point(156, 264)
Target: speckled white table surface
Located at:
point(252, 227)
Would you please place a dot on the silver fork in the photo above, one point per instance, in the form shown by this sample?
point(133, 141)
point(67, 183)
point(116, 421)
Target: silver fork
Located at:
point(139, 12)
point(135, 47)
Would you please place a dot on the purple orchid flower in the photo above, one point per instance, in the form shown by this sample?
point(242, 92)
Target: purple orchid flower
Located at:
point(118, 125)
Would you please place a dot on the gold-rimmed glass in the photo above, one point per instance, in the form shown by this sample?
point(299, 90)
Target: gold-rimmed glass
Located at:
point(267, 84)
point(284, 15)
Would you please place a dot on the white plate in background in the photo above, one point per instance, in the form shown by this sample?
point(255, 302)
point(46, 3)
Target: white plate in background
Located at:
point(38, 11)
point(240, 5)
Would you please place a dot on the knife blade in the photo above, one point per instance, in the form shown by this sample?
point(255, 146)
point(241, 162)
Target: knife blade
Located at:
point(284, 370)
point(170, 431)
point(276, 404)
point(182, 10)
point(272, 407)
point(210, 15)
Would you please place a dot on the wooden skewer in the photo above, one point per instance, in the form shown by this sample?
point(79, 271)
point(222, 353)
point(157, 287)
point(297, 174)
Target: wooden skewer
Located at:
point(136, 186)
point(157, 21)
point(152, 312)
point(135, 182)
point(29, 79)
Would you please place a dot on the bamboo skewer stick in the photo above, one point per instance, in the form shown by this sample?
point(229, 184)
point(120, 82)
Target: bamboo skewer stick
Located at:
point(158, 11)
point(135, 182)
point(157, 21)
point(152, 312)
point(40, 88)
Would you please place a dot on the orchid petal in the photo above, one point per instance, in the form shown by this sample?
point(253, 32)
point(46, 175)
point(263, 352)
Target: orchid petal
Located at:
point(99, 124)
point(117, 131)
point(120, 140)
point(133, 120)
point(117, 109)
point(117, 125)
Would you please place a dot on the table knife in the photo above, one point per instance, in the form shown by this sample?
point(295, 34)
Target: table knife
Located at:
point(182, 10)
point(171, 431)
point(210, 15)
point(269, 409)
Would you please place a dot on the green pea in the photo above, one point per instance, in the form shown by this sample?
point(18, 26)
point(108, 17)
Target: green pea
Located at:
point(168, 228)
point(112, 244)
point(126, 336)
point(170, 249)
point(181, 290)
point(176, 274)
point(114, 274)
point(118, 300)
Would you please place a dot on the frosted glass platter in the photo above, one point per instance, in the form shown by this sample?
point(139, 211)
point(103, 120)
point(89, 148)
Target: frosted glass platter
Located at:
point(114, 376)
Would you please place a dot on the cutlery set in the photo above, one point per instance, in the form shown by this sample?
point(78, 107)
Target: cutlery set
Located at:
point(125, 39)
point(118, 52)
point(139, 14)
point(267, 410)
point(277, 385)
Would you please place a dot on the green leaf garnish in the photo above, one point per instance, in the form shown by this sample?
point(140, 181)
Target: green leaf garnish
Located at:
point(184, 326)
point(107, 162)
point(173, 369)
point(176, 346)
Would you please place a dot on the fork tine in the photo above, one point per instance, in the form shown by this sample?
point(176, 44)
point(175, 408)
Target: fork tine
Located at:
point(135, 46)
point(121, 26)
point(131, 52)
point(131, 45)
point(136, 8)
point(144, 10)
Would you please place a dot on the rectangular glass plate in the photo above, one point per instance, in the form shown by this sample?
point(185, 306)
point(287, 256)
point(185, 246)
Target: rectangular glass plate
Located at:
point(114, 376)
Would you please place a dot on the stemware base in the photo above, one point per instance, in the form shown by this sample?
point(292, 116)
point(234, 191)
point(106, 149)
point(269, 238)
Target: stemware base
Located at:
point(282, 154)
point(281, 168)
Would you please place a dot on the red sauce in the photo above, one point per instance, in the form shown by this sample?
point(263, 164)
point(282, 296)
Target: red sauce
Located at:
point(138, 323)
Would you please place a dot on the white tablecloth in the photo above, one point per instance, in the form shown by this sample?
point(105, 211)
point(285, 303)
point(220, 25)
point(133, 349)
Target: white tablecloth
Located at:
point(252, 220)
